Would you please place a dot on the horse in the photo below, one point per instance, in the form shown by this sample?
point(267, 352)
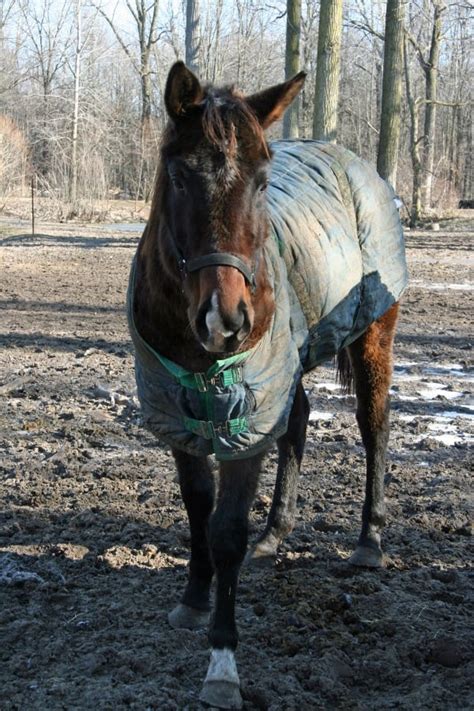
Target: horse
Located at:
point(220, 353)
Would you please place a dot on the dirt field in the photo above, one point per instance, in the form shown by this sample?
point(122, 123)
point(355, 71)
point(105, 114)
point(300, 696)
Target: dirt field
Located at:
point(93, 537)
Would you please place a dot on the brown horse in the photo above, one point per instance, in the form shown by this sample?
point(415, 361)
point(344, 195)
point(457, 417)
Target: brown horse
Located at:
point(201, 293)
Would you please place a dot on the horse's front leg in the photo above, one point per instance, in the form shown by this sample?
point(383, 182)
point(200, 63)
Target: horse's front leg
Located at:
point(197, 489)
point(281, 518)
point(228, 535)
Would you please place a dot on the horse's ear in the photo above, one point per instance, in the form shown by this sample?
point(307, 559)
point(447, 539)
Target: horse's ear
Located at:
point(269, 105)
point(182, 91)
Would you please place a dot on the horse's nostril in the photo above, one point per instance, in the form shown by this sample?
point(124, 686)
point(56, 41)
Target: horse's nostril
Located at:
point(234, 322)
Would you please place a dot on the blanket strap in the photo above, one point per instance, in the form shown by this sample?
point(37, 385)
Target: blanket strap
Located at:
point(204, 382)
point(223, 373)
point(212, 430)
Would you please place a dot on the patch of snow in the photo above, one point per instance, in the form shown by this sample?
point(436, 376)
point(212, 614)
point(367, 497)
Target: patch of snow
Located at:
point(445, 366)
point(320, 415)
point(454, 413)
point(406, 398)
point(432, 393)
point(449, 440)
point(405, 376)
point(438, 286)
point(457, 370)
point(440, 417)
point(442, 427)
point(327, 386)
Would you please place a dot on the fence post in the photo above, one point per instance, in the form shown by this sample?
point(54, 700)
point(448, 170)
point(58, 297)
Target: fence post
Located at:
point(32, 205)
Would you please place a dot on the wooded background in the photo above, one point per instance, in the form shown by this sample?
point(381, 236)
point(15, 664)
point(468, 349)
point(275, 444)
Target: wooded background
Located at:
point(81, 87)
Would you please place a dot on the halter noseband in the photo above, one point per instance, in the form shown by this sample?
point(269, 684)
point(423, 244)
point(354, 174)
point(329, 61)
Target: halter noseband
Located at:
point(216, 259)
point(226, 260)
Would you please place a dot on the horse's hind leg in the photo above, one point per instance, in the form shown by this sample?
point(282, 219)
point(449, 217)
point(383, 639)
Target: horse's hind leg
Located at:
point(197, 489)
point(371, 360)
point(281, 518)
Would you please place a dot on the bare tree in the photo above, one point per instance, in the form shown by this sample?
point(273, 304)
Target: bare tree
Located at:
point(292, 63)
point(429, 65)
point(431, 72)
point(75, 114)
point(413, 106)
point(212, 51)
point(309, 41)
point(145, 17)
point(387, 158)
point(192, 42)
point(47, 24)
point(327, 73)
point(48, 39)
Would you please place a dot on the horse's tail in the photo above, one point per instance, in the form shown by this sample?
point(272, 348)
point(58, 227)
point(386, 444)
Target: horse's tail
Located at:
point(345, 375)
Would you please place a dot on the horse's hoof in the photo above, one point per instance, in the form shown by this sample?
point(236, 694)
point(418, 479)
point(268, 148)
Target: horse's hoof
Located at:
point(188, 618)
point(365, 557)
point(263, 553)
point(221, 688)
point(221, 695)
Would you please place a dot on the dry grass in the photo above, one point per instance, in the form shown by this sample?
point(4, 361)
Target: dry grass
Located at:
point(53, 210)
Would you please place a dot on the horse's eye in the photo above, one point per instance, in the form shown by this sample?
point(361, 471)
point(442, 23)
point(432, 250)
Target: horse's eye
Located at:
point(177, 184)
point(263, 186)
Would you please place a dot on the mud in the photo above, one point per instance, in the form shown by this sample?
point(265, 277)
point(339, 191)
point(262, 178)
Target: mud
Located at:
point(94, 541)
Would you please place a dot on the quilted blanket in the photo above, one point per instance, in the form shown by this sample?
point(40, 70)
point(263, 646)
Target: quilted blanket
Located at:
point(341, 239)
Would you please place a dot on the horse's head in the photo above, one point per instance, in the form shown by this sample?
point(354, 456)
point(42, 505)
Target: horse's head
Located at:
point(214, 173)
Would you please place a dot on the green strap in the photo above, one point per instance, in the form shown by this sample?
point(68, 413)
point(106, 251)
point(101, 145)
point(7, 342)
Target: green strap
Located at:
point(218, 374)
point(211, 430)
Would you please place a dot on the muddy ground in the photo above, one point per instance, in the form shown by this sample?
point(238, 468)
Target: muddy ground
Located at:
point(93, 537)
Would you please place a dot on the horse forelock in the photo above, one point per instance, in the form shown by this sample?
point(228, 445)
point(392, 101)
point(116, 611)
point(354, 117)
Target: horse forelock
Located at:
point(226, 117)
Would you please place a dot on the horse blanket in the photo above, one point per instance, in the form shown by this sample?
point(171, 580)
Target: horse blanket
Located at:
point(336, 261)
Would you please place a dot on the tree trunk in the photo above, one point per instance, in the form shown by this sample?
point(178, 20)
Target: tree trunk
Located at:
point(192, 35)
point(467, 182)
point(431, 76)
point(292, 63)
point(327, 72)
point(413, 106)
point(75, 114)
point(147, 92)
point(387, 157)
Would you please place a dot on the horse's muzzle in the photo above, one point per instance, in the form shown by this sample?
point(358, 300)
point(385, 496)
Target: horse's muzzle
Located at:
point(219, 331)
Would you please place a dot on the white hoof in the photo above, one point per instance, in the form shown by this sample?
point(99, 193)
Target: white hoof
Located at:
point(221, 687)
point(221, 695)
